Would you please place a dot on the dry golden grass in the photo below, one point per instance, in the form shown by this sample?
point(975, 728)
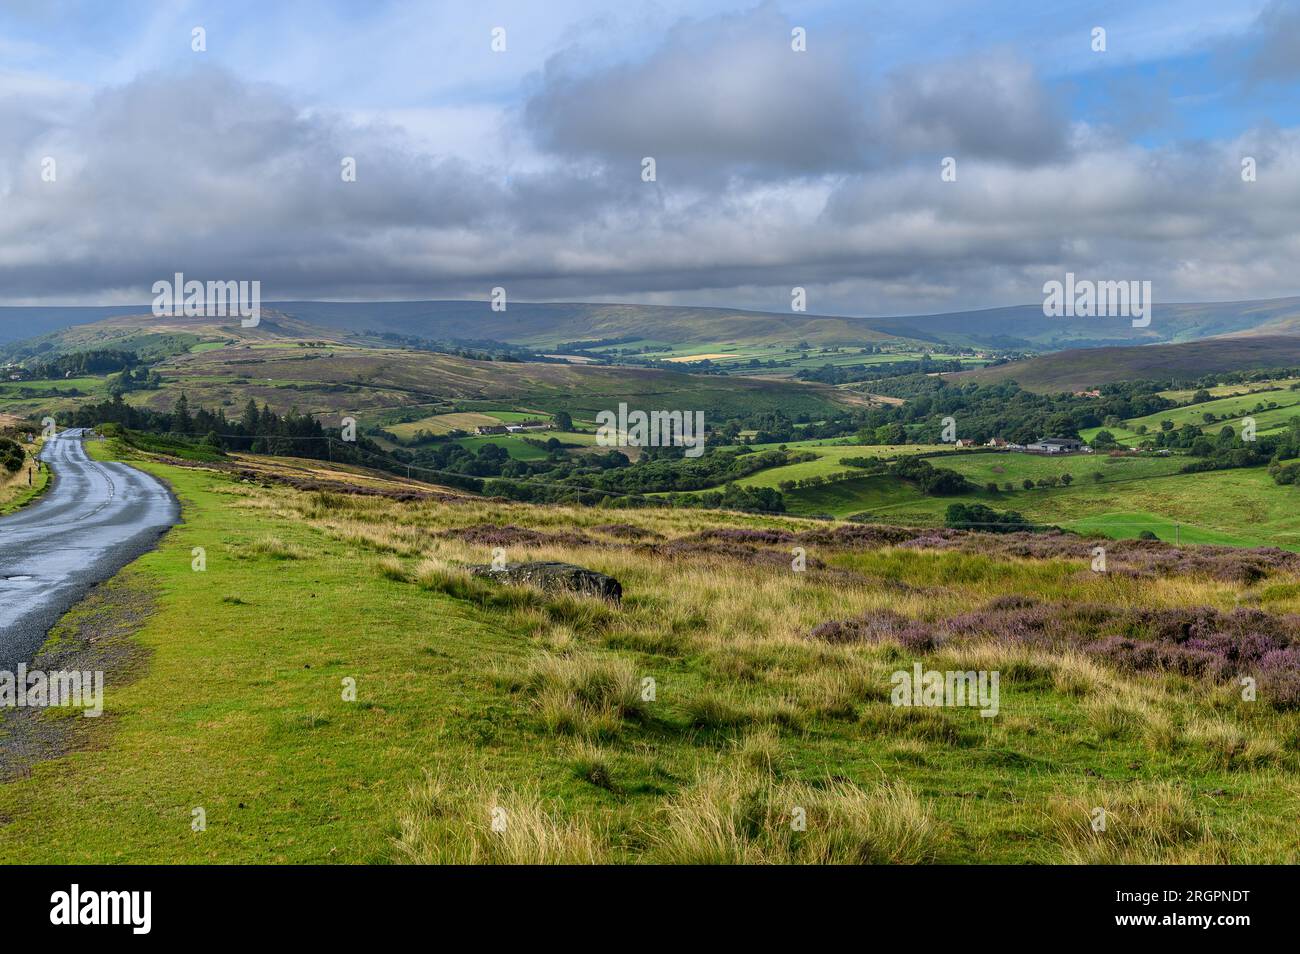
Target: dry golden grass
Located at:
point(582, 695)
point(1139, 824)
point(742, 816)
point(444, 824)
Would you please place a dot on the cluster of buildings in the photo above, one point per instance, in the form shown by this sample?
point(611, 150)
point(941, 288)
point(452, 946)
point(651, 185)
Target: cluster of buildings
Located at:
point(520, 428)
point(1048, 445)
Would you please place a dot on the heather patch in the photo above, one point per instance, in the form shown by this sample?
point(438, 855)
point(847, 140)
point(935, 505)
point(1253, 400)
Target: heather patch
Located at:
point(1199, 642)
point(879, 626)
point(509, 535)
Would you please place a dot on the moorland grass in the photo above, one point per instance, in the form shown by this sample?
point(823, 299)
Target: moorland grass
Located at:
point(509, 725)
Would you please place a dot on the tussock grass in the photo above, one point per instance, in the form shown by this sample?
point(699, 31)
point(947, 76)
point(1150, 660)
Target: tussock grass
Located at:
point(440, 824)
point(273, 547)
point(581, 694)
point(746, 817)
point(1144, 824)
point(1111, 719)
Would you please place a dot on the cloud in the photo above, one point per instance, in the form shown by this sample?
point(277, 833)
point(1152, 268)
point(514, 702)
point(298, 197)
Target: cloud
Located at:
point(728, 92)
point(990, 106)
point(1274, 42)
point(729, 96)
point(776, 169)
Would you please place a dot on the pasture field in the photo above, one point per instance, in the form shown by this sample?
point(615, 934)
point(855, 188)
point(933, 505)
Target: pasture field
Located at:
point(829, 458)
point(1183, 395)
point(1231, 402)
point(1238, 507)
point(735, 357)
point(462, 421)
point(470, 698)
point(1233, 407)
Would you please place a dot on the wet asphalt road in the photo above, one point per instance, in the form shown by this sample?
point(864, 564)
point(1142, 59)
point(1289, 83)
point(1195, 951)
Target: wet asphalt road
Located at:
point(94, 519)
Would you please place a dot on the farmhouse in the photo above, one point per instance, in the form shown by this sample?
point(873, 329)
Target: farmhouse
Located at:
point(530, 425)
point(490, 429)
point(1058, 445)
point(996, 442)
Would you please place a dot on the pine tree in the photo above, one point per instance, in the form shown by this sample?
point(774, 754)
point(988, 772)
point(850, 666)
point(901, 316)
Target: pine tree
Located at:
point(182, 423)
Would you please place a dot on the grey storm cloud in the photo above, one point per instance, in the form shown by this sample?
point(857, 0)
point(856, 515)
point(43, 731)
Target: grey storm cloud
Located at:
point(729, 95)
point(725, 92)
point(200, 171)
point(827, 180)
point(991, 107)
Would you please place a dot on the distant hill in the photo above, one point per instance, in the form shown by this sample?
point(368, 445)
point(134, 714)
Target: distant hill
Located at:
point(1025, 326)
point(156, 338)
point(1078, 369)
point(1016, 327)
point(547, 324)
point(20, 323)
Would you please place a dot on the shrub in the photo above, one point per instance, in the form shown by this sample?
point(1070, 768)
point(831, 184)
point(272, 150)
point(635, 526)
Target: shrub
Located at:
point(12, 455)
point(986, 519)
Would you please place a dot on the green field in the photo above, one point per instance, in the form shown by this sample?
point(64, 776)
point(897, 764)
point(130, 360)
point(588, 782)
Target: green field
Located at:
point(1234, 408)
point(1239, 507)
point(735, 357)
point(1235, 402)
point(1184, 395)
point(828, 462)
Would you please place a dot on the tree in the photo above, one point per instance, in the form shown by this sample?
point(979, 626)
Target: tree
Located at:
point(182, 422)
point(252, 417)
point(563, 421)
point(891, 434)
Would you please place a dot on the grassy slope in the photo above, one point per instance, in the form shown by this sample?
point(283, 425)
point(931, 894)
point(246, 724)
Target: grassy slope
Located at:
point(238, 709)
point(1242, 507)
point(829, 457)
point(1085, 368)
point(1235, 407)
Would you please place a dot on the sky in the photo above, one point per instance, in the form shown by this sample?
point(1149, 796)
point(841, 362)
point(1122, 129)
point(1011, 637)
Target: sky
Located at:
point(130, 151)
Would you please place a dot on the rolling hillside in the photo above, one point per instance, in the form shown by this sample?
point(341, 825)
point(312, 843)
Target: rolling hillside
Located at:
point(287, 363)
point(549, 324)
point(1078, 369)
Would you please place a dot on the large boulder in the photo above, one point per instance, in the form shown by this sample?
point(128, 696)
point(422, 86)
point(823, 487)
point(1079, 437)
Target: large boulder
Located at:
point(552, 577)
